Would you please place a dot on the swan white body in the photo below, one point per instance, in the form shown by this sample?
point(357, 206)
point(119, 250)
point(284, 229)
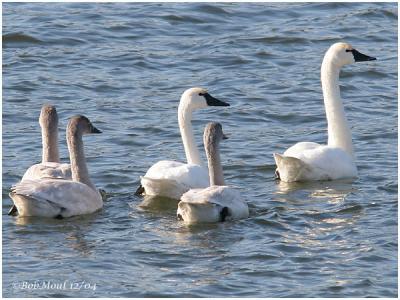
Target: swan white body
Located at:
point(308, 161)
point(206, 205)
point(218, 202)
point(170, 178)
point(50, 167)
point(48, 197)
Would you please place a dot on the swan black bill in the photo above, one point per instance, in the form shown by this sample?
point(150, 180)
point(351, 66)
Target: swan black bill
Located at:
point(211, 101)
point(358, 56)
point(95, 130)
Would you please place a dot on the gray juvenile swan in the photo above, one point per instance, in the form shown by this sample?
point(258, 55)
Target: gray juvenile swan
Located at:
point(60, 198)
point(217, 202)
point(306, 161)
point(50, 167)
point(171, 178)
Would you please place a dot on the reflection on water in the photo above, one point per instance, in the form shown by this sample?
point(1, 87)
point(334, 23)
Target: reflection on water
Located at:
point(156, 203)
point(77, 241)
point(333, 192)
point(319, 186)
point(327, 217)
point(70, 234)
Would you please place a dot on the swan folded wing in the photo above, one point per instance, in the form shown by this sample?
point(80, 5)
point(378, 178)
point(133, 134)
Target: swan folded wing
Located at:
point(191, 175)
point(74, 198)
point(212, 194)
point(164, 187)
point(48, 170)
point(331, 163)
point(314, 162)
point(299, 148)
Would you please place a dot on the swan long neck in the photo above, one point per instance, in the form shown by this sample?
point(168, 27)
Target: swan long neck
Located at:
point(214, 164)
point(339, 134)
point(79, 168)
point(50, 144)
point(185, 127)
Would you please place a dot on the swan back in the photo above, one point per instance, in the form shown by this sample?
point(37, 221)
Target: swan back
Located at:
point(48, 170)
point(212, 204)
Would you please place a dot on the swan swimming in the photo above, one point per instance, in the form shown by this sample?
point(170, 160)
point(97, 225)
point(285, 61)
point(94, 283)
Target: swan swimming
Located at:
point(50, 167)
point(170, 178)
point(307, 161)
point(218, 202)
point(59, 198)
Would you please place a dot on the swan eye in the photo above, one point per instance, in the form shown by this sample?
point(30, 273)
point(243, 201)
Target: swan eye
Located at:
point(348, 50)
point(202, 94)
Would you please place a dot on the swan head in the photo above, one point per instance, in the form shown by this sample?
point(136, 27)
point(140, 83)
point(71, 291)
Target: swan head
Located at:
point(80, 125)
point(341, 54)
point(213, 134)
point(196, 98)
point(48, 117)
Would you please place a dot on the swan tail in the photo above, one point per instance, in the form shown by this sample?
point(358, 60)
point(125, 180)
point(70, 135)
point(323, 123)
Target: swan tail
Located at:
point(140, 191)
point(27, 206)
point(163, 187)
point(289, 168)
point(13, 211)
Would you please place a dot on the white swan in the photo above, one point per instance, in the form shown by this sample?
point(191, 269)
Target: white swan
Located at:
point(50, 167)
point(307, 161)
point(170, 178)
point(217, 202)
point(60, 197)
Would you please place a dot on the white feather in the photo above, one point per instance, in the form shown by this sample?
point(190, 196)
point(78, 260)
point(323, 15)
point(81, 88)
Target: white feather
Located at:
point(320, 162)
point(205, 205)
point(172, 179)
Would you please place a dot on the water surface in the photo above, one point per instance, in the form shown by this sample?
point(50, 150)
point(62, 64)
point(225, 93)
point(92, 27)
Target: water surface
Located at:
point(125, 65)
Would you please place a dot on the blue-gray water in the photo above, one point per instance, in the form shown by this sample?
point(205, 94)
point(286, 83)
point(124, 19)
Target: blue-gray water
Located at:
point(125, 67)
